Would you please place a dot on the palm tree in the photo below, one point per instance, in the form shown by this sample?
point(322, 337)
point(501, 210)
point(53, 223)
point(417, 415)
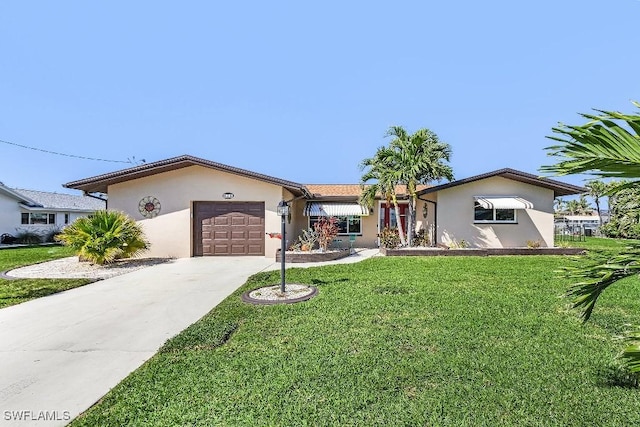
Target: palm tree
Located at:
point(559, 206)
point(421, 160)
point(384, 170)
point(607, 146)
point(105, 237)
point(597, 190)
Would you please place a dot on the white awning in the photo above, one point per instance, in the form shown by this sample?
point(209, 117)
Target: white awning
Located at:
point(503, 202)
point(335, 209)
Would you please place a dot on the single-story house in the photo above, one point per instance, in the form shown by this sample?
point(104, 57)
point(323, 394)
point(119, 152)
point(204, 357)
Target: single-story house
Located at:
point(41, 211)
point(190, 206)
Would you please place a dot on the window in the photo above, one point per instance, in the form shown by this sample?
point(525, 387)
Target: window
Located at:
point(66, 218)
point(482, 214)
point(346, 224)
point(37, 218)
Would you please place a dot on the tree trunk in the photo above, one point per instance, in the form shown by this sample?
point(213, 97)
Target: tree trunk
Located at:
point(411, 227)
point(597, 200)
point(403, 241)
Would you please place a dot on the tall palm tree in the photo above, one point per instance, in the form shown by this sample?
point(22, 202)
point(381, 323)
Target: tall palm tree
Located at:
point(383, 169)
point(597, 190)
point(422, 160)
point(607, 146)
point(559, 206)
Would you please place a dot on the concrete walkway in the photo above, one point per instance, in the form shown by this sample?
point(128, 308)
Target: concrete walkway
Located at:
point(60, 354)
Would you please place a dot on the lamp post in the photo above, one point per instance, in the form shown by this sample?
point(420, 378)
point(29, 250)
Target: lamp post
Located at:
point(283, 211)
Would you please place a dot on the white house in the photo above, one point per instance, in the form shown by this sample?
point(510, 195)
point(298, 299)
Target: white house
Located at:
point(41, 211)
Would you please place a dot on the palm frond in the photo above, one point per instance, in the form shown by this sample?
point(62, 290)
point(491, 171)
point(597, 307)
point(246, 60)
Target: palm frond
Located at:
point(594, 279)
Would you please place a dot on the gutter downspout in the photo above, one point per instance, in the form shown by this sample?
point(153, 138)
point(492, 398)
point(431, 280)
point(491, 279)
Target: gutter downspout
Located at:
point(435, 221)
point(86, 193)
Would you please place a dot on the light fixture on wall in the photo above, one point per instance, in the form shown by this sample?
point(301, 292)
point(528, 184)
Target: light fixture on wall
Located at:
point(424, 210)
point(228, 195)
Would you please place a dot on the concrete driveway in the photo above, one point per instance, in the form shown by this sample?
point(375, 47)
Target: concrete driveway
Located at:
point(61, 353)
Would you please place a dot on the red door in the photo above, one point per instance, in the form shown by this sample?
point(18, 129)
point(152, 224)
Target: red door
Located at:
point(388, 216)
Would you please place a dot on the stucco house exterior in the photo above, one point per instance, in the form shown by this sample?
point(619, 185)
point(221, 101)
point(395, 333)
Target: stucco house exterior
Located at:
point(190, 206)
point(41, 211)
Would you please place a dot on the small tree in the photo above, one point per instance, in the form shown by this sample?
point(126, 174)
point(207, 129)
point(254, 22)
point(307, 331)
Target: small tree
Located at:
point(326, 230)
point(104, 237)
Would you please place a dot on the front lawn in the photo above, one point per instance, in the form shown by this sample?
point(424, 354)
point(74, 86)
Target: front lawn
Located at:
point(393, 341)
point(602, 243)
point(21, 290)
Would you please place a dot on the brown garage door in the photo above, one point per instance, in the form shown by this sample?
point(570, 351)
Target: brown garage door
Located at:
point(228, 228)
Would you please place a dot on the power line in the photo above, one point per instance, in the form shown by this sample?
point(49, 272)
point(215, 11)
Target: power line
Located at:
point(72, 155)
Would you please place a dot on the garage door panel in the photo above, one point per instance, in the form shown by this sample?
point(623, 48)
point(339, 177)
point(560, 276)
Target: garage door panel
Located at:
point(228, 228)
point(239, 235)
point(220, 250)
point(239, 220)
point(221, 220)
point(255, 250)
point(255, 235)
point(221, 235)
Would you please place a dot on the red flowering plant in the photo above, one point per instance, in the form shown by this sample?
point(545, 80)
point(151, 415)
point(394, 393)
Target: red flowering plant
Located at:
point(327, 230)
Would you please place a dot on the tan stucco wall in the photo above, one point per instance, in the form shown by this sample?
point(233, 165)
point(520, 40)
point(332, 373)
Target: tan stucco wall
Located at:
point(170, 232)
point(455, 215)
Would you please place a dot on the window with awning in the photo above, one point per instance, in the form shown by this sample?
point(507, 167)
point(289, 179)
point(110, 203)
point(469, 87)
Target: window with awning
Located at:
point(498, 209)
point(503, 202)
point(335, 209)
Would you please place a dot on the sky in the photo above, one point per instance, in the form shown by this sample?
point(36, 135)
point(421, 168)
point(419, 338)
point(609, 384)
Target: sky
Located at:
point(302, 90)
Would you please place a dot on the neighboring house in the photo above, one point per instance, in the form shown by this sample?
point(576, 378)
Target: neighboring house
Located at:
point(591, 222)
point(41, 211)
point(193, 207)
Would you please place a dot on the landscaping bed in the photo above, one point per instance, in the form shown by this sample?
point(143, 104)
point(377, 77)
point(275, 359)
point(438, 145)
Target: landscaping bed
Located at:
point(479, 251)
point(313, 256)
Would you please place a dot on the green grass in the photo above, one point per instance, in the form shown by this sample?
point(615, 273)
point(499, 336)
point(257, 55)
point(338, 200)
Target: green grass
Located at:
point(603, 243)
point(20, 290)
point(393, 341)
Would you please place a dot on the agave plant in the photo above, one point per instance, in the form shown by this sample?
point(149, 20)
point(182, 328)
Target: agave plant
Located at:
point(105, 237)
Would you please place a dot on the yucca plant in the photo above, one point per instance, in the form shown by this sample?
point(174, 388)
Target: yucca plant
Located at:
point(607, 146)
point(105, 237)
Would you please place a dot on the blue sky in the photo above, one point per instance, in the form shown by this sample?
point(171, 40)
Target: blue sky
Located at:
point(302, 90)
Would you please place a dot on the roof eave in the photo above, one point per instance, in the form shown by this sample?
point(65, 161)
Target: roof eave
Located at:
point(101, 183)
point(559, 188)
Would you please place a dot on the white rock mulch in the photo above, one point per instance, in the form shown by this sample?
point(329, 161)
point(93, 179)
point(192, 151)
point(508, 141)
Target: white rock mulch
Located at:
point(72, 268)
point(272, 293)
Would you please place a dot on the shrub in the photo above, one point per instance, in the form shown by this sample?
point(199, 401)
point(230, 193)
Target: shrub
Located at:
point(422, 238)
point(28, 237)
point(533, 244)
point(105, 237)
point(389, 238)
point(50, 235)
point(327, 230)
point(462, 244)
point(308, 239)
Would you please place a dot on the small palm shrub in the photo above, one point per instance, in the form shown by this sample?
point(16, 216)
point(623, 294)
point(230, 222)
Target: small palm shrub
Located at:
point(105, 237)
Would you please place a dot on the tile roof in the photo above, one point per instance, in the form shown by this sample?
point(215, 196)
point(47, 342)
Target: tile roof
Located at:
point(60, 201)
point(348, 190)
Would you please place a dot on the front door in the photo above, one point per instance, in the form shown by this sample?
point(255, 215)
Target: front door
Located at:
point(388, 216)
